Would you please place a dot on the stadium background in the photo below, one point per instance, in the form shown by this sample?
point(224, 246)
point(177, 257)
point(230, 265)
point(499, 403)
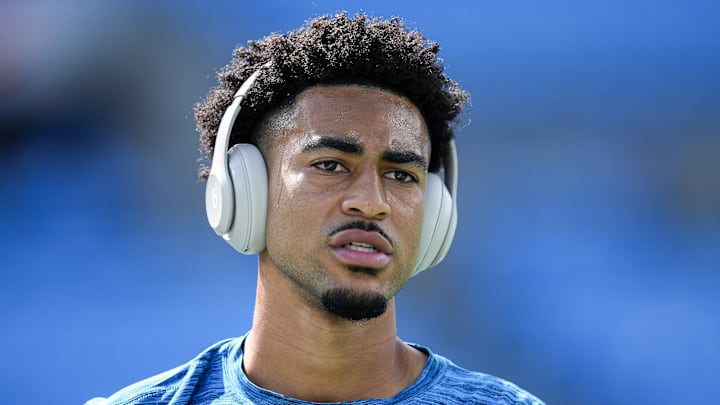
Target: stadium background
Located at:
point(585, 267)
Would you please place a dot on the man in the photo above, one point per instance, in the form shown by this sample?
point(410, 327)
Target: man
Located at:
point(339, 128)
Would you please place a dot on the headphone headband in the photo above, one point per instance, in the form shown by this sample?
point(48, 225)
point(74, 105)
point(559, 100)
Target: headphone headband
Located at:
point(219, 198)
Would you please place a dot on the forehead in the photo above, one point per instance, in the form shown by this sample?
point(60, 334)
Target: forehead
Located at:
point(362, 113)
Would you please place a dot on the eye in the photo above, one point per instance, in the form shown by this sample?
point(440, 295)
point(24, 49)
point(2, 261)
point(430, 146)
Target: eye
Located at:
point(401, 176)
point(330, 166)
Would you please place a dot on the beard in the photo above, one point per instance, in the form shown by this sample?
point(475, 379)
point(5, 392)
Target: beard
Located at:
point(354, 305)
point(344, 302)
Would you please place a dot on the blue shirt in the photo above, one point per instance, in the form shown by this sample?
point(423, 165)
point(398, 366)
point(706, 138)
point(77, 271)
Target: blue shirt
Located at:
point(216, 377)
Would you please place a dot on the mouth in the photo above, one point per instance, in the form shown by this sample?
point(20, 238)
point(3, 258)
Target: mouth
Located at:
point(358, 248)
point(359, 240)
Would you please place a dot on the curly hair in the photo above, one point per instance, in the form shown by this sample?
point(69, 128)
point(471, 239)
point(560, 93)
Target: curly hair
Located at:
point(335, 50)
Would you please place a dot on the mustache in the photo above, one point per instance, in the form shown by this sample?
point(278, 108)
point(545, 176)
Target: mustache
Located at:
point(364, 226)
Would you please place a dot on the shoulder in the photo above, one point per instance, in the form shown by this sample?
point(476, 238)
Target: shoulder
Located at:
point(485, 388)
point(455, 384)
point(200, 376)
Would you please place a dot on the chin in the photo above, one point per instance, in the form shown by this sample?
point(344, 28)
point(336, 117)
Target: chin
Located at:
point(354, 305)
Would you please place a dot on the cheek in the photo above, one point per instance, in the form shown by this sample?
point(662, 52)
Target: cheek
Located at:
point(292, 208)
point(408, 214)
point(282, 184)
point(283, 197)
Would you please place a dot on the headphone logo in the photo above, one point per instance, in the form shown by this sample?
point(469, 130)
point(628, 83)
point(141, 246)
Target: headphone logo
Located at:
point(214, 198)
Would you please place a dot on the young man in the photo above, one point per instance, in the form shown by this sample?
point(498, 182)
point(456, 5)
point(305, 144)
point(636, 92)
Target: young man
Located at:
point(351, 118)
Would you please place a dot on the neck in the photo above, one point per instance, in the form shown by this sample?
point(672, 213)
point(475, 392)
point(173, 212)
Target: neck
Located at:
point(299, 350)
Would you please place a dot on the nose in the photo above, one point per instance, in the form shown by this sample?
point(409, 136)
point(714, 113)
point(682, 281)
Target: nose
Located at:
point(366, 197)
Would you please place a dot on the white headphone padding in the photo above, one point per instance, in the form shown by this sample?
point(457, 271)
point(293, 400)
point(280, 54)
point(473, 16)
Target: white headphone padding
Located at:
point(438, 224)
point(250, 181)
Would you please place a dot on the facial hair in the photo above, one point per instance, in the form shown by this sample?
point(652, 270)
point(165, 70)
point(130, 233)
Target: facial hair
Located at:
point(354, 305)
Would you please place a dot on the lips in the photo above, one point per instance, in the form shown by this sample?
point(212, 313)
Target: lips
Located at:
point(361, 238)
point(360, 248)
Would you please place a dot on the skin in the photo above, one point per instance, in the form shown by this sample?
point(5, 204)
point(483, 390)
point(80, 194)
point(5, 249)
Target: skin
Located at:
point(296, 347)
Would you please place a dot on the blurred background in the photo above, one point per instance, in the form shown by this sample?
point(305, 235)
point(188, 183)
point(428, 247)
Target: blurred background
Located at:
point(586, 266)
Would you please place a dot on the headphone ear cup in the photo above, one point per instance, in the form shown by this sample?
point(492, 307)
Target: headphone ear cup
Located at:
point(439, 223)
point(248, 174)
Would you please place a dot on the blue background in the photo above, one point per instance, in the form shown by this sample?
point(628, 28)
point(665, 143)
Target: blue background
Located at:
point(586, 263)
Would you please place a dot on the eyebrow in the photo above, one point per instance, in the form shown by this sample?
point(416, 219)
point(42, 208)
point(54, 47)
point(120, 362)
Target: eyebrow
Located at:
point(353, 147)
point(326, 142)
point(406, 157)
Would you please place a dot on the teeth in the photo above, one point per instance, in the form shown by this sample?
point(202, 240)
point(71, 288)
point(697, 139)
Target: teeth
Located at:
point(361, 247)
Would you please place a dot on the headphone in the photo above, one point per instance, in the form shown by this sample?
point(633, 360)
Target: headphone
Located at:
point(236, 194)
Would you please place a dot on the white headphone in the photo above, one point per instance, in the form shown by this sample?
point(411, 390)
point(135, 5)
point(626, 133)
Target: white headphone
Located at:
point(236, 194)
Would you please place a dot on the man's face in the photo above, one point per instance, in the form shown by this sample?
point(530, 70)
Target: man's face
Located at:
point(346, 197)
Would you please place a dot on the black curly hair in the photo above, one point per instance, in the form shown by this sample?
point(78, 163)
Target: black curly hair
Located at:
point(335, 50)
